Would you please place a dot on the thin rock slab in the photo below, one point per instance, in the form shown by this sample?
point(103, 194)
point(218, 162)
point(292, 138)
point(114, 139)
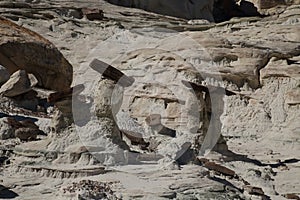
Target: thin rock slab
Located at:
point(19, 83)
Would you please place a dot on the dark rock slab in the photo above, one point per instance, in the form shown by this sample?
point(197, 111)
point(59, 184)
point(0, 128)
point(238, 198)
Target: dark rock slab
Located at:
point(185, 154)
point(59, 96)
point(111, 73)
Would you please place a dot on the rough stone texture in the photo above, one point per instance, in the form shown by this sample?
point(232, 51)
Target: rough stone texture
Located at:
point(178, 8)
point(18, 84)
point(26, 134)
point(4, 75)
point(256, 58)
point(63, 116)
point(25, 49)
point(267, 4)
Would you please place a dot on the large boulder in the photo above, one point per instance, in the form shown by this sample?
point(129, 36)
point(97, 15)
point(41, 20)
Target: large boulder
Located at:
point(188, 9)
point(21, 48)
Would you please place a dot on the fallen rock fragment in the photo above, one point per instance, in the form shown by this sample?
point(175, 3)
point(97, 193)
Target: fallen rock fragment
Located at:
point(216, 167)
point(291, 196)
point(254, 190)
point(188, 9)
point(19, 83)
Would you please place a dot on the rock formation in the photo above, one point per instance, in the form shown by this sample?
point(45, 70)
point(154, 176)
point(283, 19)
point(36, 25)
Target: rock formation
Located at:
point(193, 9)
point(233, 83)
point(19, 83)
point(24, 49)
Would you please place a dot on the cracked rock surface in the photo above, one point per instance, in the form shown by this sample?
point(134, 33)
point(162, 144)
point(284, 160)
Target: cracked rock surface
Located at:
point(256, 58)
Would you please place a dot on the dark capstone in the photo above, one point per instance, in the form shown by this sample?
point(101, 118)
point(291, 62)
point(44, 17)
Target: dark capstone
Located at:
point(185, 154)
point(167, 131)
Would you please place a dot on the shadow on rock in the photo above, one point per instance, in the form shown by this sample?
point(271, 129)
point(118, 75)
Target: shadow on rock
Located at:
point(231, 156)
point(7, 194)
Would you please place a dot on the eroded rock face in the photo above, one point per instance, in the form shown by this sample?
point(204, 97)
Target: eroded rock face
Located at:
point(267, 4)
point(26, 134)
point(253, 56)
point(194, 9)
point(21, 48)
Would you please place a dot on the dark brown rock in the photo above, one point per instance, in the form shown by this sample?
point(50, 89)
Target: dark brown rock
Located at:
point(14, 123)
point(59, 96)
point(27, 134)
point(93, 13)
point(18, 84)
point(21, 48)
point(254, 190)
point(291, 196)
point(29, 124)
point(219, 168)
point(6, 129)
point(111, 73)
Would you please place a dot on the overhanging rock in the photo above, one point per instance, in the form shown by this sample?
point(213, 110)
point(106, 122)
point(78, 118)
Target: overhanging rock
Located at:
point(21, 48)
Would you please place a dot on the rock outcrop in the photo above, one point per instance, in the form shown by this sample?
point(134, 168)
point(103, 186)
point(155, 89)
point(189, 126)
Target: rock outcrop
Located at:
point(27, 50)
point(186, 9)
point(234, 83)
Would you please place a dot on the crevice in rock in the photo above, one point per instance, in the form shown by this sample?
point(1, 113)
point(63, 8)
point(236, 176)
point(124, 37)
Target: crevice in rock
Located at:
point(224, 10)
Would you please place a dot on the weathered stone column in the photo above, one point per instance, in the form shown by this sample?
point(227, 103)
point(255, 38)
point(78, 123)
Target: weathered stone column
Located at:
point(211, 124)
point(109, 96)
